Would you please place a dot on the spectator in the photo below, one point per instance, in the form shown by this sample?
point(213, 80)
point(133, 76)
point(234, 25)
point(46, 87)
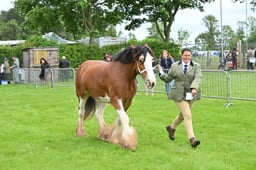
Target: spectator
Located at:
point(7, 70)
point(15, 69)
point(229, 62)
point(234, 58)
point(165, 62)
point(64, 65)
point(44, 70)
point(255, 53)
point(1, 72)
point(107, 57)
point(187, 75)
point(222, 60)
point(250, 59)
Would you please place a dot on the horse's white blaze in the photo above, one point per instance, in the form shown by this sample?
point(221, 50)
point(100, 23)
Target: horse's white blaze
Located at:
point(148, 66)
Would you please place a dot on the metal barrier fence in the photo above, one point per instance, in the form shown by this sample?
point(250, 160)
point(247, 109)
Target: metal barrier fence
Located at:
point(229, 85)
point(54, 77)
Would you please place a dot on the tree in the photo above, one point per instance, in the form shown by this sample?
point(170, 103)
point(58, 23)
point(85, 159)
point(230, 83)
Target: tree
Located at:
point(253, 3)
point(240, 33)
point(252, 30)
point(79, 17)
point(10, 28)
point(153, 33)
point(211, 37)
point(156, 12)
point(228, 37)
point(183, 36)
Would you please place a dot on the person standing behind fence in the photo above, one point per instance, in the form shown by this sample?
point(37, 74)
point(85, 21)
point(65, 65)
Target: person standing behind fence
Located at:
point(7, 70)
point(255, 55)
point(250, 59)
point(107, 57)
point(165, 62)
point(44, 70)
point(15, 69)
point(234, 58)
point(64, 65)
point(187, 75)
point(1, 72)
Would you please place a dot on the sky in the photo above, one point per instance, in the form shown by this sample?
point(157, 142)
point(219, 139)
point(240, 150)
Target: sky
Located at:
point(189, 20)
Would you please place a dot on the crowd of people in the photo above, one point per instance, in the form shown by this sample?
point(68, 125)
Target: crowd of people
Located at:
point(229, 60)
point(11, 74)
point(251, 58)
point(6, 70)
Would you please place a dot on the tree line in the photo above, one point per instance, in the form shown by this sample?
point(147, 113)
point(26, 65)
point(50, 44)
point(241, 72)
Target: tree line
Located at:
point(74, 20)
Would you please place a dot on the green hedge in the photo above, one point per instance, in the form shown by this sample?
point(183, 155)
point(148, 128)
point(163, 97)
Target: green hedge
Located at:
point(78, 53)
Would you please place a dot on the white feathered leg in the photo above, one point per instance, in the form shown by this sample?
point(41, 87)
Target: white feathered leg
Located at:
point(80, 130)
point(123, 133)
point(104, 130)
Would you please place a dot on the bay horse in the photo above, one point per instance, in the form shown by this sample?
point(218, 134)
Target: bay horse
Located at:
point(99, 83)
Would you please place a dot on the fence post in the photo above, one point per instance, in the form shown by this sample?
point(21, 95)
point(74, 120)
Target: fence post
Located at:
point(228, 89)
point(52, 77)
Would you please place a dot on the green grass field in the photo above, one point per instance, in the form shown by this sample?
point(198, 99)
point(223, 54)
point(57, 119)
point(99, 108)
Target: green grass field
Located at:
point(37, 132)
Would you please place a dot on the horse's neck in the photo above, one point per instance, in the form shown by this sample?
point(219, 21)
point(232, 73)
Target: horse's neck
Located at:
point(129, 70)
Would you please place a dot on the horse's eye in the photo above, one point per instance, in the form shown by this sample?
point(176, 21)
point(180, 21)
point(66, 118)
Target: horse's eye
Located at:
point(141, 59)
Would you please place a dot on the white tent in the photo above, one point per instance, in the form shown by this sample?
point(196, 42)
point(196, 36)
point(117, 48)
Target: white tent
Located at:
point(58, 39)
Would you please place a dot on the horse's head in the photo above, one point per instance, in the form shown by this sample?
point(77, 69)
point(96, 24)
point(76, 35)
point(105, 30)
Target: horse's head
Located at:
point(145, 61)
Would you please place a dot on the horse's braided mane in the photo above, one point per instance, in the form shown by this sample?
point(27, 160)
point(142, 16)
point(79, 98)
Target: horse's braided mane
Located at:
point(129, 54)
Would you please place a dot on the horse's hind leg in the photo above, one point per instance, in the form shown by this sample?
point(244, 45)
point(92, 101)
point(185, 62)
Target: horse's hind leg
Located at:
point(80, 130)
point(104, 130)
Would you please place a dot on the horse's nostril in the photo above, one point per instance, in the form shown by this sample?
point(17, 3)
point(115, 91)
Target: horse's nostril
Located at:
point(150, 84)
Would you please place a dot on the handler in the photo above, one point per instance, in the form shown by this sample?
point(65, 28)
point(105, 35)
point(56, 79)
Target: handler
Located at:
point(187, 75)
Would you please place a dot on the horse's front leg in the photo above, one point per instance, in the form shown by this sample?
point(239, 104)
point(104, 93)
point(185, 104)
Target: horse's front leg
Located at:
point(80, 130)
point(123, 133)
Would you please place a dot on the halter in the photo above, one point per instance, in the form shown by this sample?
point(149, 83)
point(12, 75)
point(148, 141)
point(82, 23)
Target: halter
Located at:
point(142, 71)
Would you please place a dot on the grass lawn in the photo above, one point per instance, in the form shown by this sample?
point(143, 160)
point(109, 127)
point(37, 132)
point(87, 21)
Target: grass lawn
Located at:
point(38, 124)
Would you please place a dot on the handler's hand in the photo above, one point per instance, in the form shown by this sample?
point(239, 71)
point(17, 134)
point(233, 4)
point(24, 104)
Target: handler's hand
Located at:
point(193, 91)
point(159, 67)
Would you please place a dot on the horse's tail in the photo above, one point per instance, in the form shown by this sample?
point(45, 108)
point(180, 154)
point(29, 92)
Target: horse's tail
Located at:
point(89, 108)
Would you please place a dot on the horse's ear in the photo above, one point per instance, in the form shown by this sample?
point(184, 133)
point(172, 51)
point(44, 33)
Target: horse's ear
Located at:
point(146, 45)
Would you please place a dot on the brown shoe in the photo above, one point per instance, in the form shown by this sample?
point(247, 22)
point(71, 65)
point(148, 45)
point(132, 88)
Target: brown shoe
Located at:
point(194, 142)
point(171, 132)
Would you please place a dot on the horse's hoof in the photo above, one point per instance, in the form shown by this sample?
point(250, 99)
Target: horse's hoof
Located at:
point(105, 133)
point(103, 137)
point(130, 142)
point(132, 148)
point(80, 133)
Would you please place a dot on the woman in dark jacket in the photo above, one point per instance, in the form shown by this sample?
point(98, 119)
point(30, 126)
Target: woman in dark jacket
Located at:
point(44, 69)
point(166, 61)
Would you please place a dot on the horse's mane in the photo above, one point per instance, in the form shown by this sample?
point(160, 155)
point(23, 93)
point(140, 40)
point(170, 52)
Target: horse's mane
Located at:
point(130, 54)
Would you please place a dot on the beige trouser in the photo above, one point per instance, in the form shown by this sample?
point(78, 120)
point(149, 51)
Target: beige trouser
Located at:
point(185, 114)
